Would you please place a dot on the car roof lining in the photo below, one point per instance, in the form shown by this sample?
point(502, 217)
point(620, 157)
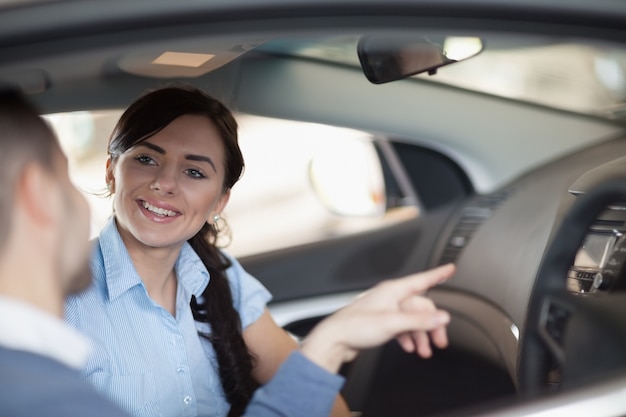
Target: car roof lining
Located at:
point(491, 146)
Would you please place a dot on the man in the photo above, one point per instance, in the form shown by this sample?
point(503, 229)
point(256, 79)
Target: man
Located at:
point(44, 257)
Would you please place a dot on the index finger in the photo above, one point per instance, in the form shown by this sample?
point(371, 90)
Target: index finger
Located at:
point(416, 284)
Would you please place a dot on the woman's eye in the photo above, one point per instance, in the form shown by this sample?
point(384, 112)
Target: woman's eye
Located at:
point(146, 160)
point(194, 173)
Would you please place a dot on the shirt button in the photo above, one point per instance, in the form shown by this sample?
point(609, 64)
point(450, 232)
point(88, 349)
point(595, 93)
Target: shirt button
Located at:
point(187, 400)
point(180, 370)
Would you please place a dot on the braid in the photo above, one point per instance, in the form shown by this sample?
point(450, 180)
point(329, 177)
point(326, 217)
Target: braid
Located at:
point(234, 359)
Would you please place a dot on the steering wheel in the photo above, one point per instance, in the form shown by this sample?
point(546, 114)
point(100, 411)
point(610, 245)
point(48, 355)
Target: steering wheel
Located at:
point(578, 337)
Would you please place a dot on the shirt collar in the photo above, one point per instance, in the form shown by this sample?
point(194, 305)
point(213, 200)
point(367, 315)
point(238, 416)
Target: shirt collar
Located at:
point(27, 328)
point(190, 271)
point(120, 272)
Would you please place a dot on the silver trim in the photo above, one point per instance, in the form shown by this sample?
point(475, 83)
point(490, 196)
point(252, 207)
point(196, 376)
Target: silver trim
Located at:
point(290, 311)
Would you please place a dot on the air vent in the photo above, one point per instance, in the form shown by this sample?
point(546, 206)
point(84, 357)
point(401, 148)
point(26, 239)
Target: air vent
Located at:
point(472, 217)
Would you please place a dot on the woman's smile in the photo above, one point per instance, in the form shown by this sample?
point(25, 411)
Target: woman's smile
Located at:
point(159, 210)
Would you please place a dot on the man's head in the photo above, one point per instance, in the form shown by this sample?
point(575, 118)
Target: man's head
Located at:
point(44, 228)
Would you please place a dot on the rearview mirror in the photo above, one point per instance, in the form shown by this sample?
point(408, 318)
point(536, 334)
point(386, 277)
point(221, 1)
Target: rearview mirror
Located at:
point(392, 57)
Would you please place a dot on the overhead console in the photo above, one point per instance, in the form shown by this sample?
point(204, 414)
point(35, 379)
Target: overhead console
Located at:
point(600, 262)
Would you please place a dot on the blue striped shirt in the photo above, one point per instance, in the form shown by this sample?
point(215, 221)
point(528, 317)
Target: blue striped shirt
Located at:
point(150, 363)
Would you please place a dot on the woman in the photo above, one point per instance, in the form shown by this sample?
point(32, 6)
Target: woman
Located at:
point(179, 328)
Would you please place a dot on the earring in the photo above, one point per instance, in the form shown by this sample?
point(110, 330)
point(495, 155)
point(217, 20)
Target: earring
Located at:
point(214, 225)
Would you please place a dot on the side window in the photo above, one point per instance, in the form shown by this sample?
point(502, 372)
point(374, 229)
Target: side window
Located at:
point(302, 183)
point(84, 137)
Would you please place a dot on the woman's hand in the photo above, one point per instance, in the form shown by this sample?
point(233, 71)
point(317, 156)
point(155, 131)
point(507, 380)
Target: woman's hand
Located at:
point(392, 309)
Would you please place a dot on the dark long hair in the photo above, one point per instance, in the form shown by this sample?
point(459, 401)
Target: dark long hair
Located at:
point(145, 117)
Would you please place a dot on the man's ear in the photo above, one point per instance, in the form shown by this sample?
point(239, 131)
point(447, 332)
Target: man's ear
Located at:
point(37, 193)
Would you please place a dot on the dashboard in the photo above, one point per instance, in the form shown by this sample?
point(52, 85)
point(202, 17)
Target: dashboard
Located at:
point(497, 263)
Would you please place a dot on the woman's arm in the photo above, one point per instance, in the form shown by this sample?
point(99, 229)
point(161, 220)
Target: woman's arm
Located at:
point(300, 388)
point(393, 309)
point(271, 345)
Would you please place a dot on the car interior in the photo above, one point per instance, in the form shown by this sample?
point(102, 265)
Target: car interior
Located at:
point(508, 161)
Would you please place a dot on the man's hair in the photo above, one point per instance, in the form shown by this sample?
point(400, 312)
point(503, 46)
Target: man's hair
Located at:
point(24, 137)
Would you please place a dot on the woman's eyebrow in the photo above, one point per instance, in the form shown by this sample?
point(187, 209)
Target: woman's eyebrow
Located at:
point(201, 158)
point(153, 147)
point(190, 157)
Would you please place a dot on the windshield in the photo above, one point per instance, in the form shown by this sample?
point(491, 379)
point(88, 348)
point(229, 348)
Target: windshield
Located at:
point(563, 74)
point(569, 76)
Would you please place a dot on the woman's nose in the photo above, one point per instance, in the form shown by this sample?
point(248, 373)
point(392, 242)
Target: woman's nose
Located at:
point(164, 182)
